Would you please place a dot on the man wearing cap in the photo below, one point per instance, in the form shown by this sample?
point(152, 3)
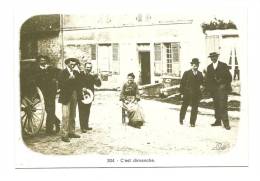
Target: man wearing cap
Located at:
point(46, 79)
point(190, 89)
point(218, 83)
point(68, 83)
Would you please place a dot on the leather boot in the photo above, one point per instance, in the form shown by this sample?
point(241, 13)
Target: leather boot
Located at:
point(217, 123)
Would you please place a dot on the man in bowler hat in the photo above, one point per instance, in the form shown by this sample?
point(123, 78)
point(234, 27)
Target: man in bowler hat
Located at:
point(218, 83)
point(68, 83)
point(190, 89)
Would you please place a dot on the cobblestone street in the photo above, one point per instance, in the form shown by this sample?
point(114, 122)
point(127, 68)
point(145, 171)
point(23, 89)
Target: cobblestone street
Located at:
point(161, 134)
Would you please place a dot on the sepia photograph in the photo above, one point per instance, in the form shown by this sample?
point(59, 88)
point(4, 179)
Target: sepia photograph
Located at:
point(132, 89)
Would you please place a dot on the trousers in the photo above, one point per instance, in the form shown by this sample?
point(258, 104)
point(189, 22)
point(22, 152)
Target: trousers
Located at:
point(69, 115)
point(220, 99)
point(193, 101)
point(51, 119)
point(84, 112)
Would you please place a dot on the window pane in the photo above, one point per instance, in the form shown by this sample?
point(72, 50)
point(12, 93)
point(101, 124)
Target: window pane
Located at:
point(169, 57)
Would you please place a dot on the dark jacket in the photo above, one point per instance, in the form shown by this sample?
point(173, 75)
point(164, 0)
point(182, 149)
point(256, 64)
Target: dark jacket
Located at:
point(219, 78)
point(47, 80)
point(88, 81)
point(129, 90)
point(190, 83)
point(67, 86)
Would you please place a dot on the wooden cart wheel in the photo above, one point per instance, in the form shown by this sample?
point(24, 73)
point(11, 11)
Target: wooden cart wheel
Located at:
point(32, 113)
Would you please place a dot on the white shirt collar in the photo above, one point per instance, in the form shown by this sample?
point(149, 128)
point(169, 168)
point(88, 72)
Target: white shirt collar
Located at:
point(194, 72)
point(215, 65)
point(71, 72)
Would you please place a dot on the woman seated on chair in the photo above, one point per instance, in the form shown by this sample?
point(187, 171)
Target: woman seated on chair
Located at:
point(130, 97)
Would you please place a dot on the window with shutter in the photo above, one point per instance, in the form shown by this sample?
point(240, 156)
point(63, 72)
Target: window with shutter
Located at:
point(169, 57)
point(115, 58)
point(176, 72)
point(93, 52)
point(158, 59)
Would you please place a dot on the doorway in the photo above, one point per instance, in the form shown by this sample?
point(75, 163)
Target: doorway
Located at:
point(144, 62)
point(104, 57)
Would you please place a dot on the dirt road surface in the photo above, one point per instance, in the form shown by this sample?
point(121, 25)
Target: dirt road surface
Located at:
point(161, 134)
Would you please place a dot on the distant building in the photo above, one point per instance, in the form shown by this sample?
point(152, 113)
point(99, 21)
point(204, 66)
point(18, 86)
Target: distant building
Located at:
point(152, 47)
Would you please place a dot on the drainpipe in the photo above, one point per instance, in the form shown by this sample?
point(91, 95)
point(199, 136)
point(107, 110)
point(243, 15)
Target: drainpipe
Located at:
point(61, 42)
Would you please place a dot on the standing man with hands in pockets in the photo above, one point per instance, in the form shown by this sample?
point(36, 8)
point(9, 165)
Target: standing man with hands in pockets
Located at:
point(46, 79)
point(190, 89)
point(218, 83)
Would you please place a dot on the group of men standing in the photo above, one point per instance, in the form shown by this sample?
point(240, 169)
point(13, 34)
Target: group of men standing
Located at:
point(73, 82)
point(217, 83)
point(72, 85)
point(76, 79)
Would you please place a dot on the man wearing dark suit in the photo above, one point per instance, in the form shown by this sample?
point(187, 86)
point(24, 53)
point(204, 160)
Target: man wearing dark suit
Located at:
point(218, 83)
point(190, 89)
point(68, 83)
point(47, 77)
point(86, 83)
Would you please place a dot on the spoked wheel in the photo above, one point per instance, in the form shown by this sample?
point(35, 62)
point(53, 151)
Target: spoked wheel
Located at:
point(32, 112)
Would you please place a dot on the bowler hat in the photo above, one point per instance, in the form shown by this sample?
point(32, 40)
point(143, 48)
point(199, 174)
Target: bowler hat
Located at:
point(71, 60)
point(213, 54)
point(195, 61)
